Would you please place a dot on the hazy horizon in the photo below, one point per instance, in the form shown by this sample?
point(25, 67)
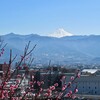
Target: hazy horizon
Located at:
point(49, 35)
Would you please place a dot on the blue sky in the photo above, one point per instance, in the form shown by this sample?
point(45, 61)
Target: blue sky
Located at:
point(45, 16)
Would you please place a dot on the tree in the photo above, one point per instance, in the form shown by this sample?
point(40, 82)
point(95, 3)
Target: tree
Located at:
point(33, 90)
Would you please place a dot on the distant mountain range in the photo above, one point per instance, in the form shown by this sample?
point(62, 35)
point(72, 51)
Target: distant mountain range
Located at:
point(64, 50)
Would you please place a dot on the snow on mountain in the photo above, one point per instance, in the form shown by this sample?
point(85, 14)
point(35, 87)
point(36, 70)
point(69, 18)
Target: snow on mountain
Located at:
point(60, 33)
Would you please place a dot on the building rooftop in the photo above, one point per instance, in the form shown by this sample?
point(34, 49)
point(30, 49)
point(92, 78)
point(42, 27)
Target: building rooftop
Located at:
point(91, 71)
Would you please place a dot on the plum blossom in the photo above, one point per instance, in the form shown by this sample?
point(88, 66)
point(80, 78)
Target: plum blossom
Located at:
point(72, 78)
point(56, 84)
point(76, 90)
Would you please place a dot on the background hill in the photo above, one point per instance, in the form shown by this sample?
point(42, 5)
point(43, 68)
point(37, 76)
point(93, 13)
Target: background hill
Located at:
point(68, 49)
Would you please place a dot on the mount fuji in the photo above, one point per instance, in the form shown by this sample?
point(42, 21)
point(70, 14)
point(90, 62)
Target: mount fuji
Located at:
point(60, 33)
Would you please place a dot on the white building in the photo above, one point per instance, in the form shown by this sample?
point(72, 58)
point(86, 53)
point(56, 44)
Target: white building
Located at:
point(89, 82)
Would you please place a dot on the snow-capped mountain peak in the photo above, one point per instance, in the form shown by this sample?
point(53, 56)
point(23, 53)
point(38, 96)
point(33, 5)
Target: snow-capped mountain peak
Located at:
point(60, 33)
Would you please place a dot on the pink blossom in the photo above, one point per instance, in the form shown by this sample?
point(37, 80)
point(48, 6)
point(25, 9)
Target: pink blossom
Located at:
point(68, 95)
point(12, 89)
point(56, 84)
point(19, 76)
point(55, 92)
point(52, 87)
point(46, 94)
point(13, 98)
point(32, 77)
point(49, 94)
point(41, 89)
point(70, 92)
point(16, 86)
point(4, 83)
point(0, 87)
point(17, 81)
point(72, 78)
point(76, 90)
point(34, 81)
point(42, 82)
point(63, 77)
point(60, 94)
point(2, 96)
point(78, 75)
point(49, 90)
point(32, 89)
point(6, 94)
point(73, 97)
point(30, 83)
point(63, 88)
point(39, 83)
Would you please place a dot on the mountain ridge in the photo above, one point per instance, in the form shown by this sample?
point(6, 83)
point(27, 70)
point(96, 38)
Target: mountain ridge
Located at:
point(70, 49)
